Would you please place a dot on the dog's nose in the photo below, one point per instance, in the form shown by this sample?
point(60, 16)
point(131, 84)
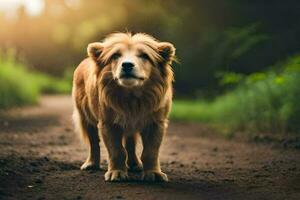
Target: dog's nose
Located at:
point(127, 67)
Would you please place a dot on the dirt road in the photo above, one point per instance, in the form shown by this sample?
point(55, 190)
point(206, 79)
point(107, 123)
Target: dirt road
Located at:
point(40, 156)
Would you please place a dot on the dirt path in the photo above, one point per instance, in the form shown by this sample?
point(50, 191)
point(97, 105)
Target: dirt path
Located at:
point(40, 158)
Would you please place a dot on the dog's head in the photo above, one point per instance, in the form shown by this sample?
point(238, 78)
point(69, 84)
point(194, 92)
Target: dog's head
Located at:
point(132, 59)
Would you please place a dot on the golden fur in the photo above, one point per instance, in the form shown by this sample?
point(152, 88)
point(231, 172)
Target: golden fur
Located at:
point(121, 108)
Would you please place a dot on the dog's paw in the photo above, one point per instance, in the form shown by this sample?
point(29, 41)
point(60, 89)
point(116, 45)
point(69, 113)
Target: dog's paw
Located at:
point(155, 176)
point(116, 176)
point(89, 165)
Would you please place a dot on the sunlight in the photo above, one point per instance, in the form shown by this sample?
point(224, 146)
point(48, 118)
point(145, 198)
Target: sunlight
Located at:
point(32, 7)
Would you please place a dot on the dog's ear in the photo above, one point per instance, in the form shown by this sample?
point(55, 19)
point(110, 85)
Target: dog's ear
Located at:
point(94, 50)
point(166, 51)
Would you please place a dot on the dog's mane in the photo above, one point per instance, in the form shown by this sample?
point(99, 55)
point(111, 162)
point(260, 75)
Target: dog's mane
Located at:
point(145, 99)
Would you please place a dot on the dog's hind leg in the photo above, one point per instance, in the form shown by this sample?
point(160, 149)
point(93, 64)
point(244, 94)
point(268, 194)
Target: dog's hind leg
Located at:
point(133, 162)
point(90, 136)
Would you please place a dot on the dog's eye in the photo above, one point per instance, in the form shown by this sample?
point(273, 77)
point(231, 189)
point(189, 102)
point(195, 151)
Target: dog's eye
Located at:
point(144, 56)
point(115, 56)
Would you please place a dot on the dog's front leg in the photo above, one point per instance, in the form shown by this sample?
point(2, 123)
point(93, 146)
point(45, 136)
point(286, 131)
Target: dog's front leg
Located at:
point(152, 137)
point(112, 136)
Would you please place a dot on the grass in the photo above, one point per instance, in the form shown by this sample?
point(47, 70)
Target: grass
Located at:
point(19, 86)
point(261, 102)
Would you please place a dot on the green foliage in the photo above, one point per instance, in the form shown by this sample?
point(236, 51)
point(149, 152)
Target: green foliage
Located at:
point(51, 85)
point(244, 39)
point(19, 86)
point(263, 102)
point(230, 78)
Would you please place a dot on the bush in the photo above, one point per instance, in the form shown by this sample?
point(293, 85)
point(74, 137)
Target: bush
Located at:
point(261, 102)
point(19, 86)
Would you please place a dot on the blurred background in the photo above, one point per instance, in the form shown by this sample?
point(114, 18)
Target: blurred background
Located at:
point(239, 61)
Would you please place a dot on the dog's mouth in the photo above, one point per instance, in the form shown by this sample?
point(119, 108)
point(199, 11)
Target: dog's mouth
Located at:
point(130, 80)
point(130, 76)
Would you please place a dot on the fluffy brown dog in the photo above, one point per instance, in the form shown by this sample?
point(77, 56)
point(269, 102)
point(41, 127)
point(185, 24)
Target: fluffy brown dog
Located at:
point(124, 88)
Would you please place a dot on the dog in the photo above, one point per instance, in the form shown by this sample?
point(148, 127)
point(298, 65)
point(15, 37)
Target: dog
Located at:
point(123, 91)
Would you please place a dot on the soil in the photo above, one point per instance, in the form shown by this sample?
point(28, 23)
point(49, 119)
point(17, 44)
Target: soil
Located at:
point(40, 156)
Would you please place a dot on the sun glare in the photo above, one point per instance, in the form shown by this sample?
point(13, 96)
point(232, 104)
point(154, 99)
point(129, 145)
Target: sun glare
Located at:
point(32, 7)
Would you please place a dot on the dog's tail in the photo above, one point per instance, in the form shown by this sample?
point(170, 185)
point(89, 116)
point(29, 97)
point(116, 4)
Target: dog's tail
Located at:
point(78, 125)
